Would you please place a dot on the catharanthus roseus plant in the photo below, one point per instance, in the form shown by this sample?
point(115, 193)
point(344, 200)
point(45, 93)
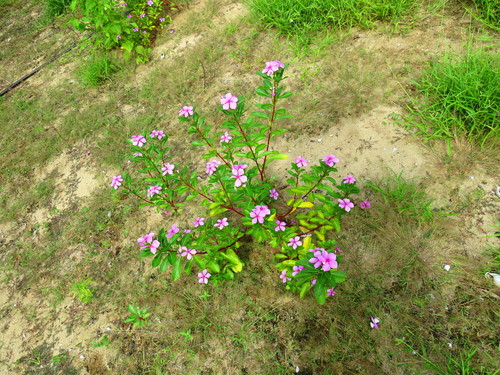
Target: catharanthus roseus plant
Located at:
point(243, 202)
point(128, 24)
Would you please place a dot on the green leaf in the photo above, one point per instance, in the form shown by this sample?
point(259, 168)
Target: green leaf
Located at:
point(164, 264)
point(156, 261)
point(176, 273)
point(320, 292)
point(258, 114)
point(304, 289)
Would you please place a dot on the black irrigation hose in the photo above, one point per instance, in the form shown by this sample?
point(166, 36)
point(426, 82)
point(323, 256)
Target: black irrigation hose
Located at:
point(36, 70)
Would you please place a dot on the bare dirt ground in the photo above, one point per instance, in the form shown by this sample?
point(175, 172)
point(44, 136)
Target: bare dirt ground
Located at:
point(362, 134)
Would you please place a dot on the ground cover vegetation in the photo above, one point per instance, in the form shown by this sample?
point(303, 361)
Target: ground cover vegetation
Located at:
point(415, 300)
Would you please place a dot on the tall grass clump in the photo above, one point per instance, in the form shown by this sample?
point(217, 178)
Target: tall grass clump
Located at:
point(489, 12)
point(302, 19)
point(57, 7)
point(460, 96)
point(97, 70)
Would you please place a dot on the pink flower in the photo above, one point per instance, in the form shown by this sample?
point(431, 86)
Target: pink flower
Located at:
point(295, 242)
point(204, 276)
point(154, 246)
point(167, 169)
point(283, 276)
point(365, 204)
point(143, 15)
point(228, 101)
point(313, 282)
point(221, 223)
point(116, 181)
point(212, 166)
point(119, 36)
point(187, 231)
point(150, 2)
point(346, 204)
point(225, 138)
point(145, 239)
point(186, 111)
point(157, 133)
point(331, 160)
point(330, 292)
point(272, 67)
point(273, 194)
point(280, 225)
point(138, 140)
point(199, 221)
point(172, 231)
point(300, 161)
point(188, 253)
point(297, 269)
point(135, 29)
point(137, 154)
point(349, 179)
point(162, 19)
point(144, 31)
point(239, 174)
point(154, 190)
point(129, 16)
point(258, 214)
point(374, 322)
point(329, 261)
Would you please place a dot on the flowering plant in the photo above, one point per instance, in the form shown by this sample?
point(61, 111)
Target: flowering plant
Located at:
point(243, 202)
point(130, 25)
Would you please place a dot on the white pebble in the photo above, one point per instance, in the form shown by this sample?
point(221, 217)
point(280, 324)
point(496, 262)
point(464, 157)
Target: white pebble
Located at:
point(447, 267)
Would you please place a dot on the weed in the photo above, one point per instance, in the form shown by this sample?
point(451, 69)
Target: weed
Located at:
point(461, 96)
point(82, 291)
point(406, 196)
point(97, 70)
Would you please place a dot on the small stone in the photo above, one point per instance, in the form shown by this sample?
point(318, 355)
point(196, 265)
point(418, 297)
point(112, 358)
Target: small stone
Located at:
point(446, 267)
point(450, 345)
point(320, 139)
point(82, 357)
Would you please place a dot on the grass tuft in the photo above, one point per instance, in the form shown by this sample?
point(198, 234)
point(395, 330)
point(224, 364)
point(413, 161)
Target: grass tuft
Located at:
point(461, 96)
point(489, 12)
point(57, 7)
point(304, 18)
point(97, 70)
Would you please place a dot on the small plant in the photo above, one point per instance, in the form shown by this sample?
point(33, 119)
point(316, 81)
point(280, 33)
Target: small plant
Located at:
point(105, 341)
point(406, 196)
point(138, 317)
point(82, 291)
point(97, 70)
point(244, 203)
point(461, 96)
point(187, 335)
point(131, 25)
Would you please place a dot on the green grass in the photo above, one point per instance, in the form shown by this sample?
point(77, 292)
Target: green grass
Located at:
point(405, 196)
point(96, 71)
point(302, 19)
point(459, 96)
point(57, 7)
point(489, 12)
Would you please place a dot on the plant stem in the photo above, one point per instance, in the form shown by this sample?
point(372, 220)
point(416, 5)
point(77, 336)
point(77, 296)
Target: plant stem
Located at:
point(271, 123)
